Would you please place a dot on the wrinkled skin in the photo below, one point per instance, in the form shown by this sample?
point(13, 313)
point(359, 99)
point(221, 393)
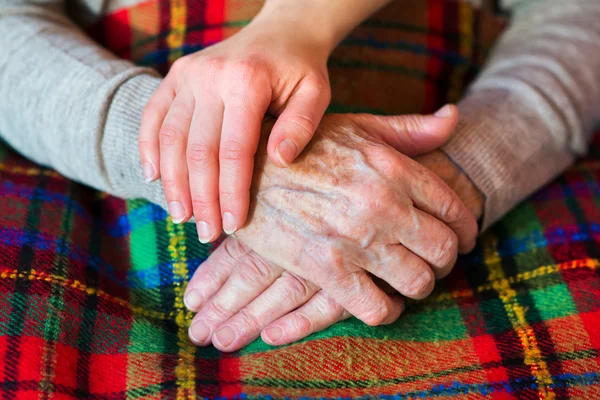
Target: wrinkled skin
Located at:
point(352, 207)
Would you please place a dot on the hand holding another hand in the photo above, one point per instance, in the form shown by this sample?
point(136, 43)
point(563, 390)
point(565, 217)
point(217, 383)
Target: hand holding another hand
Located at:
point(349, 208)
point(201, 127)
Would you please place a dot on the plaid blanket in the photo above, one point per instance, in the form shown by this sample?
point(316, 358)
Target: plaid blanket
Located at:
point(91, 285)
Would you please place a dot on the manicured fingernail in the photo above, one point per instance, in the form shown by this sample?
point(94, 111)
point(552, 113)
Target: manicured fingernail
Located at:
point(192, 300)
point(286, 152)
point(444, 112)
point(149, 171)
point(229, 225)
point(205, 233)
point(225, 336)
point(273, 334)
point(177, 212)
point(199, 333)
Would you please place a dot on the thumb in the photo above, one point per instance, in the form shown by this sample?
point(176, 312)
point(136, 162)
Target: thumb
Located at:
point(297, 124)
point(413, 134)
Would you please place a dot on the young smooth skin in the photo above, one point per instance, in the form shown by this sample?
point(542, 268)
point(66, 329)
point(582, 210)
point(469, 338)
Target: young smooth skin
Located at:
point(201, 128)
point(350, 207)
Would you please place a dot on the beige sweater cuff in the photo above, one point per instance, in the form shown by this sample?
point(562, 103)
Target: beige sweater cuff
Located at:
point(502, 144)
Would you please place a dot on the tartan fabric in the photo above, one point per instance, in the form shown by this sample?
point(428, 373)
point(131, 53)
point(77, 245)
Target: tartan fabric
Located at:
point(91, 285)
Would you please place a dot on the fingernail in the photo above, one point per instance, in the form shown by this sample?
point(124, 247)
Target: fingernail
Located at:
point(229, 225)
point(149, 172)
point(225, 336)
point(199, 333)
point(177, 212)
point(444, 112)
point(205, 233)
point(192, 300)
point(286, 152)
point(273, 334)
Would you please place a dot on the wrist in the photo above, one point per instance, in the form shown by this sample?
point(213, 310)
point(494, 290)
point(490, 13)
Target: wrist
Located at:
point(300, 23)
point(438, 162)
point(328, 21)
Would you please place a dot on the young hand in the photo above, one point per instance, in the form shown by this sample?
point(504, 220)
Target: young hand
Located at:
point(201, 127)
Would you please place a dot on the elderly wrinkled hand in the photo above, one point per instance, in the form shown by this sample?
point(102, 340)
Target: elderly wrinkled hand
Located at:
point(350, 207)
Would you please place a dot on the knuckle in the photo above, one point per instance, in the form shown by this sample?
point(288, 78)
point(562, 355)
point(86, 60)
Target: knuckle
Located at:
point(246, 68)
point(301, 323)
point(201, 205)
point(200, 155)
point(234, 248)
point(413, 124)
point(254, 271)
point(214, 63)
point(446, 251)
point(378, 314)
point(232, 150)
point(327, 305)
point(249, 321)
point(451, 209)
point(179, 65)
point(168, 135)
point(319, 84)
point(228, 196)
point(419, 286)
point(219, 311)
point(294, 287)
point(169, 185)
point(380, 198)
point(333, 261)
point(305, 126)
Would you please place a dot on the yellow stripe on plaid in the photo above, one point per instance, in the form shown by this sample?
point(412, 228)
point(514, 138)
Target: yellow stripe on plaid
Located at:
point(465, 26)
point(516, 315)
point(176, 38)
point(34, 275)
point(591, 263)
point(184, 372)
point(29, 171)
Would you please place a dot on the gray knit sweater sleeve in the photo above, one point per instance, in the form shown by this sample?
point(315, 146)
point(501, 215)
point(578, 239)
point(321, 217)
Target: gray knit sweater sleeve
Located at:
point(71, 105)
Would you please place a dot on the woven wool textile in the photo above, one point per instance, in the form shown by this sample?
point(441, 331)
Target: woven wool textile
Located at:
point(91, 285)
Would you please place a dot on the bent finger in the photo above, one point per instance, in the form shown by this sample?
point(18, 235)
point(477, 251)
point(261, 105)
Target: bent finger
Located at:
point(252, 276)
point(212, 273)
point(320, 312)
point(431, 240)
point(287, 293)
point(403, 270)
point(413, 134)
point(357, 293)
point(431, 195)
point(297, 123)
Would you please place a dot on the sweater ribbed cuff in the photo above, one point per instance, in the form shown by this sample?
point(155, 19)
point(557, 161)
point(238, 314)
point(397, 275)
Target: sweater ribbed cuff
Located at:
point(120, 141)
point(503, 146)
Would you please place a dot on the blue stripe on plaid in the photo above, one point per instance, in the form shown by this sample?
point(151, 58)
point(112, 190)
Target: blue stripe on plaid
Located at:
point(161, 55)
point(150, 278)
point(146, 214)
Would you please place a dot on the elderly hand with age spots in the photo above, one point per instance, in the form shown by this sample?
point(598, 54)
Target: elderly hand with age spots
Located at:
point(352, 207)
